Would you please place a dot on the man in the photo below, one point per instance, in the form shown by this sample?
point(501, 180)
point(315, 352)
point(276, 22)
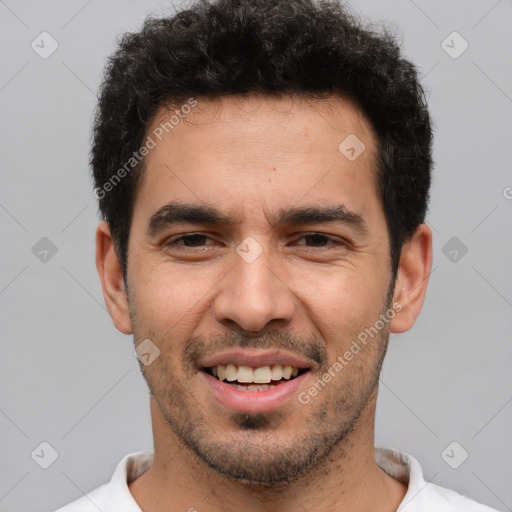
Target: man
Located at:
point(263, 171)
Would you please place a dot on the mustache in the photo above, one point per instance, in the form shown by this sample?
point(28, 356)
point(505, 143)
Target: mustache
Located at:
point(309, 347)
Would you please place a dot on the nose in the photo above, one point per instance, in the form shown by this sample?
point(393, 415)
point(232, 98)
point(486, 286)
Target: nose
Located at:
point(253, 294)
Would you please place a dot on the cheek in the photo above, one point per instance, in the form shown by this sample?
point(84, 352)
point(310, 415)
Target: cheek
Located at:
point(343, 305)
point(170, 298)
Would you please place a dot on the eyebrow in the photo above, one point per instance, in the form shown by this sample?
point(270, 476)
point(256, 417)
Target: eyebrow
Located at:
point(181, 213)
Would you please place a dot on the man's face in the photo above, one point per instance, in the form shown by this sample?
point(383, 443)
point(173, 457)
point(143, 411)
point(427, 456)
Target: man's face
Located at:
point(284, 283)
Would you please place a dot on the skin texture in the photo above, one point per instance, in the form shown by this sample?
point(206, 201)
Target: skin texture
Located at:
point(250, 158)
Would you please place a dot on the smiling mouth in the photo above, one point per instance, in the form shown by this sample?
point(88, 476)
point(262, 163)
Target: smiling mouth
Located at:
point(247, 378)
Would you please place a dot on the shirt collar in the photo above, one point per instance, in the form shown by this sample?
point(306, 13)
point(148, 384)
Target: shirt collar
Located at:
point(118, 496)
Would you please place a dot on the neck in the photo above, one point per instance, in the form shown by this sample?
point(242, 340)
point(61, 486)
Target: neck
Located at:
point(349, 480)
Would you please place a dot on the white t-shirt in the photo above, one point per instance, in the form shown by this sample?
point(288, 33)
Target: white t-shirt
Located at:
point(421, 496)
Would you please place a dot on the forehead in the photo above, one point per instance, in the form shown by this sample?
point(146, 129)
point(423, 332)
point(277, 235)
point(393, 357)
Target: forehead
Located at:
point(294, 118)
point(245, 151)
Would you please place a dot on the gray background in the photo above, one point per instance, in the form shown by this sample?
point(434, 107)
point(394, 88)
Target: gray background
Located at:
point(69, 378)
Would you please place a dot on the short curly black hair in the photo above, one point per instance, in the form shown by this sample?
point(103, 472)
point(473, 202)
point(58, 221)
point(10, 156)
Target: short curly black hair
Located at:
point(272, 47)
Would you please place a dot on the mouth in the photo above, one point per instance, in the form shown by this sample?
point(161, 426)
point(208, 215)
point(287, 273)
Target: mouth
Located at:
point(262, 378)
point(254, 380)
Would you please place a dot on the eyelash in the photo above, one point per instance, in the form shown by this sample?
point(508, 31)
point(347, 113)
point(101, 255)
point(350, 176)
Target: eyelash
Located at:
point(172, 241)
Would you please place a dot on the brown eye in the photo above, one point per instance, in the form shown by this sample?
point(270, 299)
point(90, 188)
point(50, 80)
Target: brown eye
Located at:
point(317, 239)
point(193, 240)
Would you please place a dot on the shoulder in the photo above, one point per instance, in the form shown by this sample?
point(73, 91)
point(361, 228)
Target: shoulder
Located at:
point(114, 495)
point(422, 496)
point(446, 500)
point(91, 502)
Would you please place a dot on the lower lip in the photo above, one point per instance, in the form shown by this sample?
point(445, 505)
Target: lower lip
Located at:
point(253, 401)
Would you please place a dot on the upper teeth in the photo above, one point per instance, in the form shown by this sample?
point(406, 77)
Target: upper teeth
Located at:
point(246, 374)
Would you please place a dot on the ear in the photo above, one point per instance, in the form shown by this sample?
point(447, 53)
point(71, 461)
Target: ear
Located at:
point(412, 279)
point(111, 276)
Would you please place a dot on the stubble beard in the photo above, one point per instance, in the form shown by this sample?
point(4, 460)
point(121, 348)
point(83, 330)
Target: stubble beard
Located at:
point(253, 455)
